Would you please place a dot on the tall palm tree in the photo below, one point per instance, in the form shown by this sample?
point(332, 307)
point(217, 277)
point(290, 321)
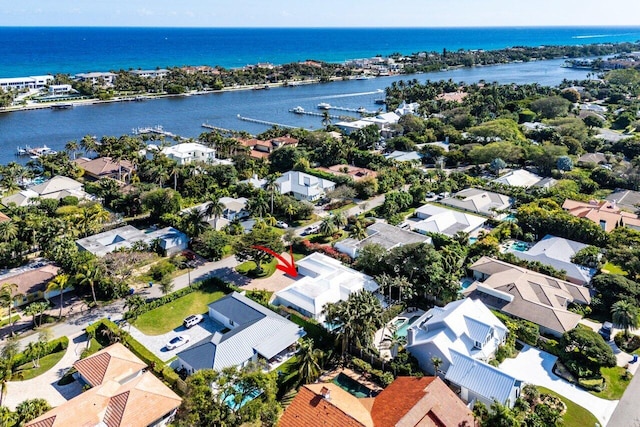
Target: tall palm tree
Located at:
point(290, 210)
point(309, 361)
point(358, 232)
point(72, 147)
point(59, 283)
point(8, 294)
point(437, 362)
point(625, 315)
point(271, 186)
point(89, 144)
point(89, 275)
point(215, 209)
point(257, 205)
point(340, 220)
point(8, 231)
point(326, 118)
point(194, 222)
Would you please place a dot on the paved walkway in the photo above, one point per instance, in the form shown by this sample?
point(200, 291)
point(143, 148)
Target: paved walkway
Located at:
point(535, 366)
point(45, 386)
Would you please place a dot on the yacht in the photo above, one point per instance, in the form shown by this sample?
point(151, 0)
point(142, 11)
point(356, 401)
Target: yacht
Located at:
point(298, 110)
point(324, 106)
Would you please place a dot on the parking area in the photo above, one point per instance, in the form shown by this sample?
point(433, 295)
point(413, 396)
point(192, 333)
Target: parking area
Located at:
point(157, 343)
point(535, 367)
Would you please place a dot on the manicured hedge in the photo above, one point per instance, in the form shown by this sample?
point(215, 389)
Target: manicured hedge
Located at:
point(53, 346)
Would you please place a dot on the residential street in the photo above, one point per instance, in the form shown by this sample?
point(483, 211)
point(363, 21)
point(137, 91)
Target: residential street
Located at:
point(627, 413)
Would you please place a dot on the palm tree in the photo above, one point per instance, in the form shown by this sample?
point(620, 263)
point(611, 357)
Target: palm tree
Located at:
point(271, 186)
point(290, 210)
point(194, 222)
point(72, 147)
point(270, 220)
point(89, 144)
point(35, 350)
point(8, 294)
point(326, 118)
point(358, 232)
point(394, 341)
point(166, 285)
point(31, 409)
point(625, 315)
point(35, 309)
point(6, 375)
point(257, 205)
point(215, 209)
point(309, 361)
point(437, 362)
point(8, 231)
point(89, 275)
point(340, 220)
point(59, 283)
point(328, 227)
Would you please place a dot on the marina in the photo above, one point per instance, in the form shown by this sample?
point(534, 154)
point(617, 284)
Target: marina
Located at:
point(300, 110)
point(34, 153)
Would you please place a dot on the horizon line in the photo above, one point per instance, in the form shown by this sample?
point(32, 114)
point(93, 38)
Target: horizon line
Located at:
point(330, 27)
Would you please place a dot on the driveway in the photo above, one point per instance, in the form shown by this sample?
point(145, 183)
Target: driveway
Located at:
point(535, 367)
point(45, 386)
point(156, 343)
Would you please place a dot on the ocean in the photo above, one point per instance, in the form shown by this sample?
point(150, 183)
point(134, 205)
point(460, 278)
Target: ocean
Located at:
point(49, 50)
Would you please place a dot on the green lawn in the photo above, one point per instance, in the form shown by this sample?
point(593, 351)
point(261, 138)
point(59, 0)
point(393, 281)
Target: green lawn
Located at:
point(169, 316)
point(576, 416)
point(248, 268)
point(615, 383)
point(5, 321)
point(27, 371)
point(613, 269)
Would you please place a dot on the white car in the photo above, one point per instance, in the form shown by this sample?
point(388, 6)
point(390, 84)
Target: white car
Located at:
point(178, 341)
point(192, 320)
point(282, 224)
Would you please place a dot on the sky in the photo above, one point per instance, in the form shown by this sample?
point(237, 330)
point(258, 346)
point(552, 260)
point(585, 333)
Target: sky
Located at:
point(319, 13)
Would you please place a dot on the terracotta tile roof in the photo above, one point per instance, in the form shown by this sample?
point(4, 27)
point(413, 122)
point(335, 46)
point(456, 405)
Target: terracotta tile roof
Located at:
point(137, 402)
point(412, 402)
point(311, 409)
point(111, 363)
point(347, 170)
point(4, 218)
point(103, 166)
point(604, 213)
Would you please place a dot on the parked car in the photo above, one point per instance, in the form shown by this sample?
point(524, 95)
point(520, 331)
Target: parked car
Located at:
point(178, 341)
point(606, 330)
point(311, 230)
point(192, 320)
point(282, 224)
point(189, 255)
point(323, 201)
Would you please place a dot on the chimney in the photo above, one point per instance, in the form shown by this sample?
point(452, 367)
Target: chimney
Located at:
point(324, 392)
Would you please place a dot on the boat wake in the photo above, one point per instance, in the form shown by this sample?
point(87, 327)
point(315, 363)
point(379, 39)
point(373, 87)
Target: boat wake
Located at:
point(599, 36)
point(345, 95)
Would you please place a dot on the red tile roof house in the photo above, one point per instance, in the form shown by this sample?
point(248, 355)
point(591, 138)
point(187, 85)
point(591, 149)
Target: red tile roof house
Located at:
point(605, 213)
point(407, 402)
point(261, 149)
point(123, 394)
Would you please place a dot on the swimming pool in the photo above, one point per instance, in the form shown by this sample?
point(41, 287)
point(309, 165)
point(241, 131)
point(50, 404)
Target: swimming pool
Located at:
point(233, 404)
point(519, 246)
point(352, 386)
point(466, 282)
point(402, 324)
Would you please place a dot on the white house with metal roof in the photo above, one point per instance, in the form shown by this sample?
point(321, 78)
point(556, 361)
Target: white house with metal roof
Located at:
point(557, 253)
point(479, 201)
point(170, 240)
point(524, 178)
point(466, 326)
point(248, 332)
point(438, 219)
point(304, 186)
point(383, 234)
point(190, 152)
point(57, 188)
point(31, 82)
point(479, 381)
point(325, 280)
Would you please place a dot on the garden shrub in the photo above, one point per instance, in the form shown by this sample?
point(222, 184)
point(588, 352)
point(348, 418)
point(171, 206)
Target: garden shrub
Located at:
point(161, 270)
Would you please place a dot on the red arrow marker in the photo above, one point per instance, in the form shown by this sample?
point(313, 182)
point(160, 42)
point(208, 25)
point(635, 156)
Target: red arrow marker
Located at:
point(286, 266)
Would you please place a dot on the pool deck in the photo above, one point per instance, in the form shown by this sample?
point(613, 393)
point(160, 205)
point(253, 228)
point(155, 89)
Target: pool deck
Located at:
point(378, 338)
point(362, 379)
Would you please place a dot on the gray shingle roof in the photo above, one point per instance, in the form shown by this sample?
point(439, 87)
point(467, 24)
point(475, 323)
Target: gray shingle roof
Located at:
point(480, 377)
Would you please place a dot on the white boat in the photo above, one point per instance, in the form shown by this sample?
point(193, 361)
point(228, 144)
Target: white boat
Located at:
point(324, 106)
point(298, 110)
point(362, 110)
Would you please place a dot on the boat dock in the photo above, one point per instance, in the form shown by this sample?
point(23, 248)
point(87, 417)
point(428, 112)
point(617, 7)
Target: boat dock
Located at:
point(264, 122)
point(360, 110)
point(216, 128)
point(158, 130)
point(300, 110)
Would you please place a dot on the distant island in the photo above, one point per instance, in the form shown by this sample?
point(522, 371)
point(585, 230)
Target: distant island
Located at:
point(65, 90)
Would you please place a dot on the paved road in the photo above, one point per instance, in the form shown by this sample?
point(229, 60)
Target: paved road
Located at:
point(361, 206)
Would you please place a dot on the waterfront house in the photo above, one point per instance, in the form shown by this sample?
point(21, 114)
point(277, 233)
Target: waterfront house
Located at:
point(106, 167)
point(607, 214)
point(97, 78)
point(57, 188)
point(122, 393)
point(304, 186)
point(479, 201)
point(528, 295)
point(438, 219)
point(322, 280)
point(248, 332)
point(260, 149)
point(151, 74)
point(171, 241)
point(466, 326)
point(189, 152)
point(383, 234)
point(557, 252)
point(405, 156)
point(31, 82)
point(354, 172)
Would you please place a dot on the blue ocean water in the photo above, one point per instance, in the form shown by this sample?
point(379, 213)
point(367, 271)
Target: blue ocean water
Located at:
point(41, 50)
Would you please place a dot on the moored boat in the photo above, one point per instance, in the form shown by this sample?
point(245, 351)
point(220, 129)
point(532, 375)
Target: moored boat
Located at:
point(324, 106)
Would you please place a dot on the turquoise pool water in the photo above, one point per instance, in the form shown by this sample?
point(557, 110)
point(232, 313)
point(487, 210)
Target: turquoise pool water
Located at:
point(402, 328)
point(231, 403)
point(353, 387)
point(466, 283)
point(510, 217)
point(519, 246)
point(472, 240)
